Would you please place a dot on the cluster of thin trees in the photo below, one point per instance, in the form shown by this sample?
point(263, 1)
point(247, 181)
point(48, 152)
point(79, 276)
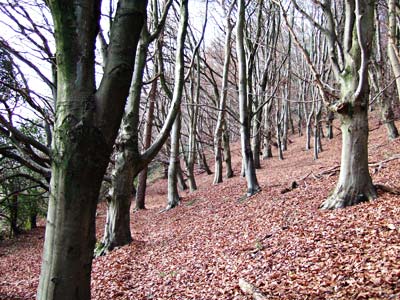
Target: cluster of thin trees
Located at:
point(92, 94)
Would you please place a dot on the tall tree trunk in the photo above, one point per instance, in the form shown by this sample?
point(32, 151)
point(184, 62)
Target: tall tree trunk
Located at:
point(84, 132)
point(13, 207)
point(329, 123)
point(227, 151)
point(181, 180)
point(267, 152)
point(219, 131)
point(142, 181)
point(250, 171)
point(202, 159)
point(384, 102)
point(279, 133)
point(173, 195)
point(392, 49)
point(129, 162)
point(194, 109)
point(257, 139)
point(355, 183)
point(117, 231)
point(378, 74)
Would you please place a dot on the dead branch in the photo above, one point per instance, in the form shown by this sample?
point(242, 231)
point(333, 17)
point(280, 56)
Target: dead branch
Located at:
point(250, 289)
point(379, 165)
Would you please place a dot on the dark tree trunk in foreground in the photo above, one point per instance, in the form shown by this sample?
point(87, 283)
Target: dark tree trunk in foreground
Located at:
point(85, 128)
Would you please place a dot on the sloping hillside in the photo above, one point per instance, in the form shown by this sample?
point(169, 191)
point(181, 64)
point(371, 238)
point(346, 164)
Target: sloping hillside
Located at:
point(279, 242)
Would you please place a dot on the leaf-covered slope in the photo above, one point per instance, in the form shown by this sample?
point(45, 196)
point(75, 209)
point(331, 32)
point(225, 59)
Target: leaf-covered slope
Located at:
point(280, 242)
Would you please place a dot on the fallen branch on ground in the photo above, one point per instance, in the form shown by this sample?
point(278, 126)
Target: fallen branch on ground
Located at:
point(250, 289)
point(379, 165)
point(335, 169)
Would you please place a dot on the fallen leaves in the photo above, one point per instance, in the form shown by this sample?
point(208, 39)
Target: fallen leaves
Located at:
point(280, 244)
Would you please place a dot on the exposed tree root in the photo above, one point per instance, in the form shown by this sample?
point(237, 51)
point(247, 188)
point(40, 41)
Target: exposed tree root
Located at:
point(387, 189)
point(251, 290)
point(347, 196)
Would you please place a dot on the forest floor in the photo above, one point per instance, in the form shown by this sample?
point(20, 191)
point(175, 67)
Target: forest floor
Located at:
point(280, 243)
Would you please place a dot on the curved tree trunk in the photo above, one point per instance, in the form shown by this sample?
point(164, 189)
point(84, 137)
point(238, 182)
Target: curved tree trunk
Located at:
point(117, 230)
point(129, 162)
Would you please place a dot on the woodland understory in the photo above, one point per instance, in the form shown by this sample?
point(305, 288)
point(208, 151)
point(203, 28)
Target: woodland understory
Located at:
point(277, 240)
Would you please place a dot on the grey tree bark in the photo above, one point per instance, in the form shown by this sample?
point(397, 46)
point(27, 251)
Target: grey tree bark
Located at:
point(194, 114)
point(174, 161)
point(219, 128)
point(393, 53)
point(377, 72)
point(128, 159)
point(349, 61)
point(173, 196)
point(354, 184)
point(142, 179)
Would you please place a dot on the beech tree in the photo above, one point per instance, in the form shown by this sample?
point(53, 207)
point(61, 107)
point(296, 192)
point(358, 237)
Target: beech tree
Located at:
point(86, 124)
point(219, 128)
point(349, 60)
point(128, 159)
point(245, 115)
point(176, 97)
point(354, 183)
point(392, 49)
